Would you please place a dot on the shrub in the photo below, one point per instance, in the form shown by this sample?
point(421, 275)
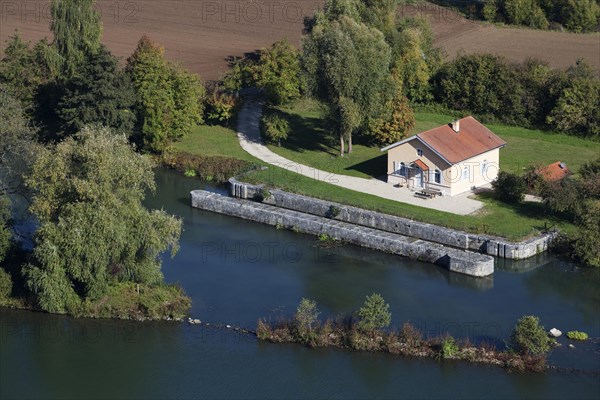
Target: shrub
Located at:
point(262, 194)
point(220, 106)
point(449, 348)
point(374, 314)
point(529, 337)
point(509, 187)
point(410, 335)
point(275, 127)
point(576, 335)
point(263, 330)
point(305, 319)
point(5, 285)
point(217, 168)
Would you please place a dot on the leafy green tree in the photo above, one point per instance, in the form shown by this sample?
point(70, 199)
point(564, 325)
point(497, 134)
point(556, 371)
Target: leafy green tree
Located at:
point(483, 84)
point(529, 337)
point(101, 95)
point(374, 314)
point(579, 15)
point(278, 72)
point(577, 110)
point(77, 29)
point(23, 70)
point(170, 101)
point(414, 57)
point(509, 187)
point(347, 67)
point(220, 105)
point(586, 246)
point(525, 12)
point(275, 127)
point(94, 231)
point(149, 71)
point(189, 96)
point(17, 146)
point(490, 10)
point(306, 318)
point(397, 125)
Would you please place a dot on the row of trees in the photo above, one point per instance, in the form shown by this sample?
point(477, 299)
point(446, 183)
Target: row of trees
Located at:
point(367, 67)
point(574, 15)
point(71, 83)
point(527, 94)
point(68, 116)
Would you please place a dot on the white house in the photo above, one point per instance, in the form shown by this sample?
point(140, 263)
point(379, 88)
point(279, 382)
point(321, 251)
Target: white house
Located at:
point(452, 158)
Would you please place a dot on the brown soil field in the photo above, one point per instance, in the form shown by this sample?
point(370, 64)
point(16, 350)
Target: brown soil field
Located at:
point(202, 34)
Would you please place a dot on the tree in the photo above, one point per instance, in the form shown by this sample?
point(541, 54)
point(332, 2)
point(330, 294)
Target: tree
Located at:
point(490, 10)
point(275, 127)
point(586, 246)
point(525, 12)
point(374, 314)
point(77, 29)
point(509, 187)
point(347, 67)
point(189, 95)
point(305, 318)
point(579, 15)
point(17, 146)
point(414, 58)
point(577, 110)
point(529, 337)
point(93, 230)
point(101, 95)
point(220, 105)
point(397, 125)
point(22, 70)
point(278, 72)
point(482, 84)
point(169, 99)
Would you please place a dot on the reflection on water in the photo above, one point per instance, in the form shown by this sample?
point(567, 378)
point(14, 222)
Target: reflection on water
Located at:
point(237, 271)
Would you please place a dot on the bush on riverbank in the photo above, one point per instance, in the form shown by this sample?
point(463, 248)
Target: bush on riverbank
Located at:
point(408, 341)
point(210, 168)
point(138, 302)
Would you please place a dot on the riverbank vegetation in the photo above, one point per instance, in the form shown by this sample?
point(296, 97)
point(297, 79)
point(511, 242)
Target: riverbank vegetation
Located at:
point(366, 330)
point(75, 238)
point(572, 15)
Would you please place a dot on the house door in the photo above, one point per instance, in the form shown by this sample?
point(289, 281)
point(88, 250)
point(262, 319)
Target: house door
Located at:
point(418, 177)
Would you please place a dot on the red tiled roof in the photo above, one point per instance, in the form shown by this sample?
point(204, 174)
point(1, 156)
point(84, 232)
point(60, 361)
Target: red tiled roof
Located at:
point(421, 165)
point(472, 139)
point(554, 172)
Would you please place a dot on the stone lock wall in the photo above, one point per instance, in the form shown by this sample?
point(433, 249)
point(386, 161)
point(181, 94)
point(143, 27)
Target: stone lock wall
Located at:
point(494, 246)
point(465, 262)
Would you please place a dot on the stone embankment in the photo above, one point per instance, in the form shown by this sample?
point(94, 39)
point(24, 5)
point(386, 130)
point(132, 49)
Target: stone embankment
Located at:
point(486, 244)
point(458, 260)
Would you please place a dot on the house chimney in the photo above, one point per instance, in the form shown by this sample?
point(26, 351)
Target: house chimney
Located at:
point(456, 126)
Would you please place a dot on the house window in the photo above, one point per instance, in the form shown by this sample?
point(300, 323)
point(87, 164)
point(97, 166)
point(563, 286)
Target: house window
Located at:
point(465, 173)
point(420, 152)
point(484, 167)
point(437, 176)
point(402, 169)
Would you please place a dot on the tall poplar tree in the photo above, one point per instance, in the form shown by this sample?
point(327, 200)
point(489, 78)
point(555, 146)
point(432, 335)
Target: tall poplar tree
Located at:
point(77, 30)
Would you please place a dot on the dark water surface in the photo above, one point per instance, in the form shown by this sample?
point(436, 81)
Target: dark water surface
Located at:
point(238, 271)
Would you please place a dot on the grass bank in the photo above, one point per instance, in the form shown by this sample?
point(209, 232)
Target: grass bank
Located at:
point(514, 222)
point(122, 300)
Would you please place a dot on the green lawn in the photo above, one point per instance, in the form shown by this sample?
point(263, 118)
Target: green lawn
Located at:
point(213, 140)
point(312, 144)
point(496, 218)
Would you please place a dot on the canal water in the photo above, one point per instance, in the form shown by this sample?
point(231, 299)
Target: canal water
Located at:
point(238, 271)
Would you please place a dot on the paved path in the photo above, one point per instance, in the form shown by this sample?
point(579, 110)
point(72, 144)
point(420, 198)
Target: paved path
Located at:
point(250, 140)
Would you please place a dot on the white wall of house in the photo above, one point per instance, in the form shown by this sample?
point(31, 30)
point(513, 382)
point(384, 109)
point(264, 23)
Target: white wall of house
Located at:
point(451, 179)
